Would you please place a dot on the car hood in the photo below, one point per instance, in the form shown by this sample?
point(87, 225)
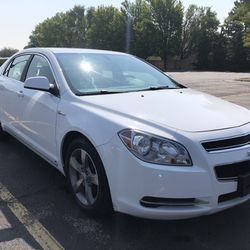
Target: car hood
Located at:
point(181, 109)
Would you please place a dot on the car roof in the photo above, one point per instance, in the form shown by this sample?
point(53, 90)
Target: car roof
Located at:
point(72, 50)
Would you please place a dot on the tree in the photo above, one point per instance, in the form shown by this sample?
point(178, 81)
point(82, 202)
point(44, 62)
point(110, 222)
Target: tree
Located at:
point(190, 31)
point(107, 29)
point(75, 27)
point(219, 52)
point(141, 38)
point(236, 29)
point(208, 34)
point(155, 28)
point(241, 15)
point(63, 30)
point(167, 16)
point(237, 54)
point(7, 52)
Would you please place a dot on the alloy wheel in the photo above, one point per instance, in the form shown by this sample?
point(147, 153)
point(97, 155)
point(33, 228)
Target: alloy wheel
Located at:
point(84, 177)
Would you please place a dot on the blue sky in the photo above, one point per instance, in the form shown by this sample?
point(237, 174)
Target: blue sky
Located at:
point(19, 17)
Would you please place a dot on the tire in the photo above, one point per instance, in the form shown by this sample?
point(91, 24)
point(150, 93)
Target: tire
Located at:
point(87, 179)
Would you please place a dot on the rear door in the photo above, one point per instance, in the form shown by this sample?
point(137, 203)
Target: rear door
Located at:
point(11, 88)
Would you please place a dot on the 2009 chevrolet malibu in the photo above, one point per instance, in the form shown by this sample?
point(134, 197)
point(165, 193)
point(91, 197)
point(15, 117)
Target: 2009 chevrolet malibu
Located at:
point(126, 136)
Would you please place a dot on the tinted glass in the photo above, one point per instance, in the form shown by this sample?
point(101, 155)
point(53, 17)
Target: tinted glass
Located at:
point(40, 67)
point(15, 71)
point(94, 73)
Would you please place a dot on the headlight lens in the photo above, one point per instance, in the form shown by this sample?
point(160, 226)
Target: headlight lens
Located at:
point(155, 149)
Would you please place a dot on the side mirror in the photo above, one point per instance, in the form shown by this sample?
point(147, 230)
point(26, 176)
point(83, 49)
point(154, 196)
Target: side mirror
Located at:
point(39, 83)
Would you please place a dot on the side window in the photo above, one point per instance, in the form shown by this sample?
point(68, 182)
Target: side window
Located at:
point(15, 70)
point(40, 67)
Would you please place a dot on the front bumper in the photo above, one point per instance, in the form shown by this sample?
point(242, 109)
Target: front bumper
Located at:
point(131, 180)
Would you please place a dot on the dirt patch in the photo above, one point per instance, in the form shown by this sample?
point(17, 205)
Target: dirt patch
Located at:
point(246, 79)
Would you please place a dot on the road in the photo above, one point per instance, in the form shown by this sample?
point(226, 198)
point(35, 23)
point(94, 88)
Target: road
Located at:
point(37, 211)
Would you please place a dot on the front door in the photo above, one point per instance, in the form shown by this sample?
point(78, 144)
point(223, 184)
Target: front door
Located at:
point(39, 111)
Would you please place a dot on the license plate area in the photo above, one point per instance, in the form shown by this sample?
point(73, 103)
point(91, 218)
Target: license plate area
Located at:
point(244, 185)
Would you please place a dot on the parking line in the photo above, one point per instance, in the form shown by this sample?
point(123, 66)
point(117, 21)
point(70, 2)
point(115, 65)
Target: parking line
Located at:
point(34, 227)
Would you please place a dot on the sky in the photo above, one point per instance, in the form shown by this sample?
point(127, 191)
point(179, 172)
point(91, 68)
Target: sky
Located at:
point(19, 17)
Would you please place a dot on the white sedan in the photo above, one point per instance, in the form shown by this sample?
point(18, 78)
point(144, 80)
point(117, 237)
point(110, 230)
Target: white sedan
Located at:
point(126, 136)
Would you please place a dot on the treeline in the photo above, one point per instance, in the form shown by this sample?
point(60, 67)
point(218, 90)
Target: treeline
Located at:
point(5, 53)
point(159, 28)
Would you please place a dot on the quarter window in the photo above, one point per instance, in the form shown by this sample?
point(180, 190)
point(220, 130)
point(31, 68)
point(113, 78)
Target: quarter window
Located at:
point(40, 67)
point(16, 68)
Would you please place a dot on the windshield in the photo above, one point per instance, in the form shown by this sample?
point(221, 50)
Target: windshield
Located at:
point(88, 73)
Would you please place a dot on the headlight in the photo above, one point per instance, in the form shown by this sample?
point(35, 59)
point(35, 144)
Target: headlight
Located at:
point(155, 149)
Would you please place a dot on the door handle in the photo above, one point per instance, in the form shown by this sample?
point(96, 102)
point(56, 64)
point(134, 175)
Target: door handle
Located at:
point(20, 94)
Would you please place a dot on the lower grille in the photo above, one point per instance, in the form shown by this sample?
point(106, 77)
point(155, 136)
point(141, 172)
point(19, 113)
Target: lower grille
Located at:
point(232, 171)
point(154, 202)
point(228, 197)
point(243, 189)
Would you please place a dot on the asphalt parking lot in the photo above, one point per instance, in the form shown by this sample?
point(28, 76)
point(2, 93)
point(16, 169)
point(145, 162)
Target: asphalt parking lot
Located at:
point(223, 85)
point(37, 211)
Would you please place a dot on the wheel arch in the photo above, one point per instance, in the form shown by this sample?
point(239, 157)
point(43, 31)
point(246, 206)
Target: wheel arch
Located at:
point(67, 139)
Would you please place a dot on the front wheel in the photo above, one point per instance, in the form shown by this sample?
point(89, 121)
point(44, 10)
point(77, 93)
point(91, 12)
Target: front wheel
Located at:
point(87, 178)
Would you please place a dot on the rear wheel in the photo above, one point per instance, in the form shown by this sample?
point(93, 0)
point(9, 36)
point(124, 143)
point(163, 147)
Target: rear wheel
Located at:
point(87, 178)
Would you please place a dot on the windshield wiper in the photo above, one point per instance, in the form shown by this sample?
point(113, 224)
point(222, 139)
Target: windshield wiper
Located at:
point(106, 92)
point(152, 88)
point(99, 92)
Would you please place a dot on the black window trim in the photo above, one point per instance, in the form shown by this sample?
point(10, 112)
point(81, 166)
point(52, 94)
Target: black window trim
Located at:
point(26, 68)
